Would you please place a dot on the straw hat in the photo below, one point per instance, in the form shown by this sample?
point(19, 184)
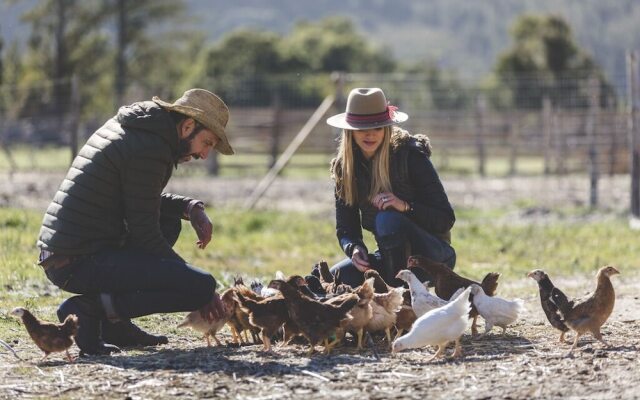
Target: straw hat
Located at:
point(367, 108)
point(206, 108)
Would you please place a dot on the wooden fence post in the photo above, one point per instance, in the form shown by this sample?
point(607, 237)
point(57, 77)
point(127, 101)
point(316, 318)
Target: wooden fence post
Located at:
point(547, 133)
point(481, 107)
point(592, 130)
point(514, 134)
point(634, 140)
point(276, 128)
point(75, 117)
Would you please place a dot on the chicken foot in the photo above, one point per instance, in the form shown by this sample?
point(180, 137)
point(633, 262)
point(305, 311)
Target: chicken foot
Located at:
point(438, 353)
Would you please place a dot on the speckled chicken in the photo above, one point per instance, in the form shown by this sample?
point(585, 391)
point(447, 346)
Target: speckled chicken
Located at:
point(496, 311)
point(550, 309)
point(446, 282)
point(49, 337)
point(316, 320)
point(588, 313)
point(197, 322)
point(438, 327)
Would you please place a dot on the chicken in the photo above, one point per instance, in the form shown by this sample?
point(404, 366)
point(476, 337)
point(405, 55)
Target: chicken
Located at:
point(589, 313)
point(438, 327)
point(315, 286)
point(267, 314)
point(421, 299)
point(385, 307)
point(239, 321)
point(550, 309)
point(446, 282)
point(405, 317)
point(360, 314)
point(331, 284)
point(496, 311)
point(49, 337)
point(198, 323)
point(315, 320)
point(379, 285)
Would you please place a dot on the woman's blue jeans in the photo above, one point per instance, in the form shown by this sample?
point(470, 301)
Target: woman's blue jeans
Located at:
point(395, 232)
point(136, 282)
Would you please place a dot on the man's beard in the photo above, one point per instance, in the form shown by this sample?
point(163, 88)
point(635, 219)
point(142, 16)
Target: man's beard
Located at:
point(184, 148)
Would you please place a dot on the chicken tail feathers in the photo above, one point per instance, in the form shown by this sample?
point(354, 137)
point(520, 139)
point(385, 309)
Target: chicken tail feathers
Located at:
point(490, 283)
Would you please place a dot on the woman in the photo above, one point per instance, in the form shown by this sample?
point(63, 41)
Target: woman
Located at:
point(386, 184)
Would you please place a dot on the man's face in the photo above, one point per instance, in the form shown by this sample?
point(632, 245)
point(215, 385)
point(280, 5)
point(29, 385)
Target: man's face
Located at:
point(195, 143)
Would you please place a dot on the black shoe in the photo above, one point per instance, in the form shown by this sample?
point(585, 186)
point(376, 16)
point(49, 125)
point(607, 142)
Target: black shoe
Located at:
point(126, 334)
point(89, 313)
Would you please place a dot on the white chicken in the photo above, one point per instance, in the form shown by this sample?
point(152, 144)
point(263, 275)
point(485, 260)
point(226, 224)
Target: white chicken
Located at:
point(198, 323)
point(438, 327)
point(496, 311)
point(422, 300)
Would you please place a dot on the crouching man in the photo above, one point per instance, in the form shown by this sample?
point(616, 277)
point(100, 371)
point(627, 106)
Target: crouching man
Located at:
point(109, 231)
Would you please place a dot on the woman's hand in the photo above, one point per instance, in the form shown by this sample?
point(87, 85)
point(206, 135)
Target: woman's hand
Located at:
point(360, 259)
point(387, 200)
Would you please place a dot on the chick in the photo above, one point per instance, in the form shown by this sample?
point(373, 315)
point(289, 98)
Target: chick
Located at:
point(315, 320)
point(496, 311)
point(49, 337)
point(438, 327)
point(385, 307)
point(197, 322)
point(550, 309)
point(267, 314)
point(589, 313)
point(331, 284)
point(446, 282)
point(360, 314)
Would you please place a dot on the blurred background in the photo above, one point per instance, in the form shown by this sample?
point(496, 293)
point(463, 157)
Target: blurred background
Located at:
point(504, 88)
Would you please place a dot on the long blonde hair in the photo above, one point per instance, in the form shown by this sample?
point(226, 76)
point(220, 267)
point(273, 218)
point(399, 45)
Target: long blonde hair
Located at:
point(343, 169)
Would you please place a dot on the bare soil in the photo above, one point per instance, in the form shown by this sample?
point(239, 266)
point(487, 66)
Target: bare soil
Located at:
point(526, 363)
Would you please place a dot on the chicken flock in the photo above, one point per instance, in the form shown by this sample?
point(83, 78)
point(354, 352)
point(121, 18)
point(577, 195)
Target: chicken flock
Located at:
point(321, 311)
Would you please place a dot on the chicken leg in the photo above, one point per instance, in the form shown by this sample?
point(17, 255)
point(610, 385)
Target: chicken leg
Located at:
point(438, 353)
point(458, 351)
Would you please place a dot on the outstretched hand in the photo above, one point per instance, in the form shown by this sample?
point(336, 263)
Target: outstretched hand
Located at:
point(213, 310)
point(202, 225)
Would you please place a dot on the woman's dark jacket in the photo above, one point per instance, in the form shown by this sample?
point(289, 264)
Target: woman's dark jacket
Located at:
point(113, 193)
point(413, 179)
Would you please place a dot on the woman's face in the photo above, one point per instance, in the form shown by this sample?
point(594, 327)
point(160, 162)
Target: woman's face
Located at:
point(369, 140)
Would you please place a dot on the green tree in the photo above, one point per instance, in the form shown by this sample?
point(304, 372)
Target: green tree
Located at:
point(545, 61)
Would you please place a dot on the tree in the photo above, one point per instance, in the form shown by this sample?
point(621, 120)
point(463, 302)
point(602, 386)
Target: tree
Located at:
point(545, 61)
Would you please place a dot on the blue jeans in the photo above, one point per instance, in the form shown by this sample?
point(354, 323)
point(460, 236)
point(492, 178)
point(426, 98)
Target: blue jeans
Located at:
point(138, 283)
point(393, 230)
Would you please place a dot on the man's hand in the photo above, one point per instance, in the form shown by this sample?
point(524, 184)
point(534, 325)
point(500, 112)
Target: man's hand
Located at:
point(213, 310)
point(201, 224)
point(360, 259)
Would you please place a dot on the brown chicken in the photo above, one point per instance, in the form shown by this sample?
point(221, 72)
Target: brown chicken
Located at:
point(447, 282)
point(239, 321)
point(360, 314)
point(588, 313)
point(197, 322)
point(49, 337)
point(385, 307)
point(331, 284)
point(317, 321)
point(405, 316)
point(267, 314)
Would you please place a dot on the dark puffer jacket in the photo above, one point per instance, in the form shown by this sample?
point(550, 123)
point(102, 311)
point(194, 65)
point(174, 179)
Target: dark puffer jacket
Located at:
point(413, 179)
point(112, 195)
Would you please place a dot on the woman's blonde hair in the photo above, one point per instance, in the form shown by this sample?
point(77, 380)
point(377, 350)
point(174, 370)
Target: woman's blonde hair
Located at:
point(343, 170)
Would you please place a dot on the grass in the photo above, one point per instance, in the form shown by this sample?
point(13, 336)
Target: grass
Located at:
point(309, 166)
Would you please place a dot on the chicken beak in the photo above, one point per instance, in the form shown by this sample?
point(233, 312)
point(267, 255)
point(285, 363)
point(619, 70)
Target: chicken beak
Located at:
point(615, 271)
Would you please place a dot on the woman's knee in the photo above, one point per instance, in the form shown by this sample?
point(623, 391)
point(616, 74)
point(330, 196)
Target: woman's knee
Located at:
point(347, 273)
point(202, 289)
point(389, 223)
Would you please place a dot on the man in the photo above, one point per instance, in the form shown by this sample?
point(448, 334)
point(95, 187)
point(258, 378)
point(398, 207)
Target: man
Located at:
point(109, 231)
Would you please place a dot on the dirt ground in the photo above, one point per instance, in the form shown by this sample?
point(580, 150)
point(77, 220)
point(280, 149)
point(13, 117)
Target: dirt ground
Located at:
point(527, 363)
